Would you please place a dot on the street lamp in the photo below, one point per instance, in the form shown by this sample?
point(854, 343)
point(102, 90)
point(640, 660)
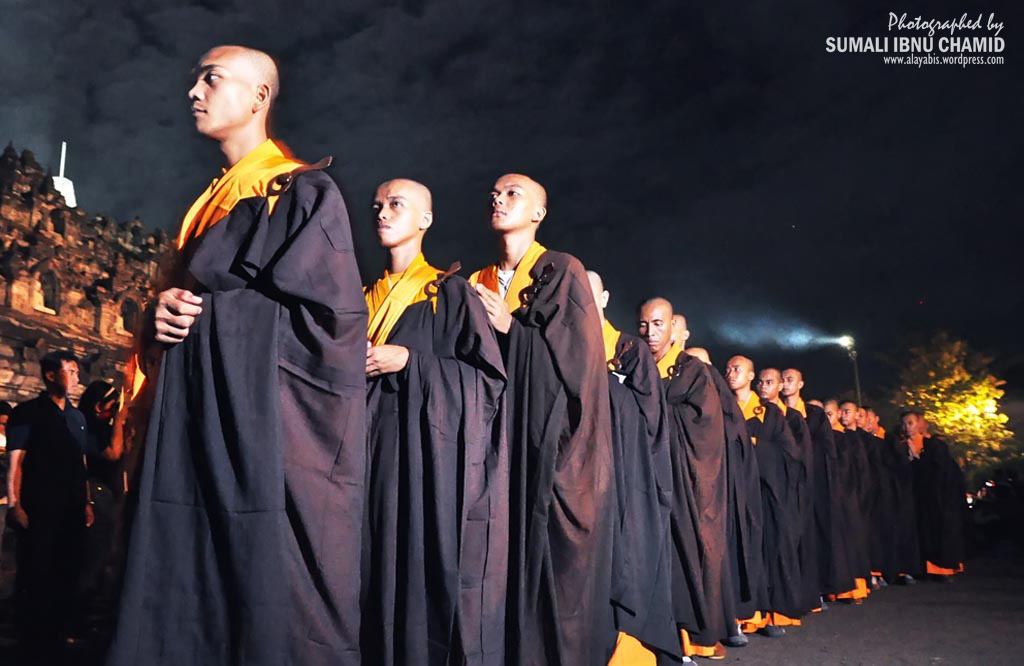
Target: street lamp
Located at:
point(847, 343)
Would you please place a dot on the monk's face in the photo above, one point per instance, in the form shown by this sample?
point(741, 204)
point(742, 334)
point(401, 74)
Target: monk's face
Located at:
point(517, 202)
point(225, 95)
point(401, 213)
point(832, 412)
point(911, 424)
point(872, 421)
point(768, 384)
point(848, 415)
point(861, 417)
point(791, 383)
point(739, 374)
point(655, 326)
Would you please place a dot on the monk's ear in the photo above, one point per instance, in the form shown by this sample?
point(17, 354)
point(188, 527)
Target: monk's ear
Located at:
point(540, 214)
point(604, 299)
point(263, 97)
point(426, 220)
point(686, 335)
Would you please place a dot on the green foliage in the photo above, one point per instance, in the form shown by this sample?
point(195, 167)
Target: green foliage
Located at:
point(959, 396)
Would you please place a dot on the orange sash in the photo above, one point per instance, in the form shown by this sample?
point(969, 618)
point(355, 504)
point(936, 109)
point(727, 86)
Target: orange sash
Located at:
point(388, 298)
point(668, 360)
point(521, 279)
point(248, 177)
point(611, 339)
point(752, 408)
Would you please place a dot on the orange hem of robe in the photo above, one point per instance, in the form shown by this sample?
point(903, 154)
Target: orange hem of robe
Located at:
point(936, 570)
point(859, 592)
point(631, 652)
point(691, 649)
point(780, 620)
point(754, 623)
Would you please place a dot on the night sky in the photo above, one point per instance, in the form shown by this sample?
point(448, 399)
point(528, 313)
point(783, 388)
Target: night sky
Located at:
point(712, 154)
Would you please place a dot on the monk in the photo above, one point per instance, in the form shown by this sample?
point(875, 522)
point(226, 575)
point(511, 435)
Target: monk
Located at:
point(769, 388)
point(246, 540)
point(680, 330)
point(854, 471)
point(906, 562)
point(831, 408)
point(641, 574)
point(654, 324)
point(833, 571)
point(778, 461)
point(434, 550)
point(699, 438)
point(561, 502)
point(872, 423)
point(939, 490)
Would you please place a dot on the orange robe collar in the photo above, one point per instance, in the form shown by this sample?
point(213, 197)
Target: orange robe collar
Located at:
point(801, 407)
point(752, 408)
point(388, 298)
point(521, 279)
point(668, 360)
point(248, 177)
point(781, 404)
point(611, 339)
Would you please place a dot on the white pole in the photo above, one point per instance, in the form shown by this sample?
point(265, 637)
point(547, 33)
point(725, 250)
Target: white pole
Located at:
point(63, 153)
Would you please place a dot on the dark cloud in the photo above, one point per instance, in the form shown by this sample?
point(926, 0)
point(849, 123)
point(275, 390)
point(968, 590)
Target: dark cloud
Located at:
point(713, 154)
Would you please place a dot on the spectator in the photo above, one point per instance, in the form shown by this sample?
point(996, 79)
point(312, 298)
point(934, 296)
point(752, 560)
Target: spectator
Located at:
point(49, 506)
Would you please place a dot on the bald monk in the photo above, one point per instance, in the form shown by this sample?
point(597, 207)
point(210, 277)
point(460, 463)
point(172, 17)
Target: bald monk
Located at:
point(855, 470)
point(872, 423)
point(832, 569)
point(831, 408)
point(641, 596)
point(434, 551)
point(246, 538)
point(654, 324)
point(939, 493)
point(680, 330)
point(699, 448)
point(745, 521)
point(559, 432)
point(769, 388)
point(817, 403)
point(778, 461)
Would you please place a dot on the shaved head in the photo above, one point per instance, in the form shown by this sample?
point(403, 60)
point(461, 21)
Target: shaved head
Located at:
point(257, 65)
point(769, 383)
point(739, 373)
point(600, 293)
point(234, 90)
point(816, 403)
point(792, 383)
point(402, 214)
point(654, 324)
point(831, 408)
point(701, 353)
point(518, 204)
point(680, 331)
point(410, 189)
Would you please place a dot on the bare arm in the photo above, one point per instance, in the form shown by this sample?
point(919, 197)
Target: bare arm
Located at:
point(14, 487)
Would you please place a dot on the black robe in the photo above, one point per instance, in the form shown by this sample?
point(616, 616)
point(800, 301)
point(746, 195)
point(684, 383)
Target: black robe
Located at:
point(745, 536)
point(562, 481)
point(435, 545)
point(834, 576)
point(804, 490)
point(879, 481)
point(854, 499)
point(779, 463)
point(698, 432)
point(245, 546)
point(641, 572)
point(905, 551)
point(941, 505)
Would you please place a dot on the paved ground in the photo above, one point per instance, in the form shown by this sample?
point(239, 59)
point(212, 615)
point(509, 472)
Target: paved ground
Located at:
point(977, 620)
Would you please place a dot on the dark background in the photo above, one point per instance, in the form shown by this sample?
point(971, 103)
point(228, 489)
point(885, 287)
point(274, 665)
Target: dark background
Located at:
point(709, 152)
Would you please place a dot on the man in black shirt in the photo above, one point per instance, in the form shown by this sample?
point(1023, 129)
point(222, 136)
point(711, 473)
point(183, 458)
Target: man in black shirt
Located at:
point(46, 485)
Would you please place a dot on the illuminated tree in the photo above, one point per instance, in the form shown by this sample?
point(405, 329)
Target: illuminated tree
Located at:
point(957, 393)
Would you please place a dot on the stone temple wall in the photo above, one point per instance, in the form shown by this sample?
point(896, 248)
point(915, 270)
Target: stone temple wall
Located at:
point(68, 280)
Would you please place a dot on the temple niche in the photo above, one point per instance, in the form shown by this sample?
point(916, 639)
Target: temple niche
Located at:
point(68, 280)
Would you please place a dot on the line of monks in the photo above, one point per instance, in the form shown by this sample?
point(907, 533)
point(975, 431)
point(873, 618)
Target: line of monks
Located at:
point(434, 470)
